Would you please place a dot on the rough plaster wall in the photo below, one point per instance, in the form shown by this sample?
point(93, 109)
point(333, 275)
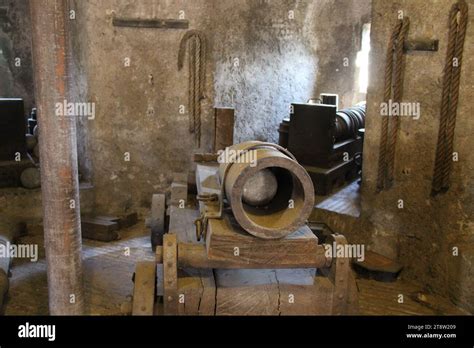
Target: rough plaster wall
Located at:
point(277, 66)
point(423, 234)
point(133, 114)
point(263, 63)
point(15, 42)
point(18, 203)
point(268, 57)
point(339, 26)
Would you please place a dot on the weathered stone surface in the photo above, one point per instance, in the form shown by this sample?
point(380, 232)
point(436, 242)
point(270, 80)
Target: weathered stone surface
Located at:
point(423, 233)
point(270, 54)
point(283, 48)
point(278, 64)
point(15, 42)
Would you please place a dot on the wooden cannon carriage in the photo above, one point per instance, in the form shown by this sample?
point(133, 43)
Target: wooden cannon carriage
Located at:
point(230, 272)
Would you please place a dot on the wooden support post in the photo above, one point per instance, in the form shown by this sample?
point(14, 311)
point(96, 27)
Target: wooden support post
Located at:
point(344, 300)
point(58, 152)
point(170, 274)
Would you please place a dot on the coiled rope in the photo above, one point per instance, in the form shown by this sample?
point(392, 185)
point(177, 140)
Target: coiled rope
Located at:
point(393, 83)
point(196, 43)
point(458, 19)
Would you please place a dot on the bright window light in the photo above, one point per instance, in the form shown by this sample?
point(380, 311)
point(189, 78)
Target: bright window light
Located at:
point(362, 60)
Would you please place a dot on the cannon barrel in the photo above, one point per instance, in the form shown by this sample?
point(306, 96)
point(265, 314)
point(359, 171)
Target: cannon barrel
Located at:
point(270, 194)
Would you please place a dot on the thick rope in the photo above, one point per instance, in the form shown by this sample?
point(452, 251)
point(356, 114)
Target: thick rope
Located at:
point(387, 95)
point(458, 19)
point(198, 92)
point(197, 46)
point(392, 83)
point(397, 97)
point(192, 85)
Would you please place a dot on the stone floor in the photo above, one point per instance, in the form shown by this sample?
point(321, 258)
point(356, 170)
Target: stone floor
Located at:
point(108, 269)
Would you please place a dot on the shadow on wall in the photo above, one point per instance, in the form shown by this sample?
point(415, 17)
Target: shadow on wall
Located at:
point(6, 82)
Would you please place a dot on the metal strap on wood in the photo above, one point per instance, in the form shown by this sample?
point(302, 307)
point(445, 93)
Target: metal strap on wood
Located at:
point(170, 274)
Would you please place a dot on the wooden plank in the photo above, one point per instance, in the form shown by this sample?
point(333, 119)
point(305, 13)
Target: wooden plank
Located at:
point(194, 255)
point(182, 220)
point(125, 221)
point(128, 220)
point(205, 157)
point(157, 219)
point(150, 23)
point(101, 230)
point(189, 291)
point(196, 287)
point(224, 128)
point(227, 241)
point(345, 297)
point(144, 289)
point(207, 306)
point(196, 291)
point(170, 274)
point(378, 267)
point(272, 292)
point(182, 224)
point(249, 300)
point(313, 299)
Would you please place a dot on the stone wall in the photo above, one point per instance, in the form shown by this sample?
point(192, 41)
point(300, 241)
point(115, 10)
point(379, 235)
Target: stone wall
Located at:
point(423, 234)
point(263, 55)
point(270, 54)
point(138, 137)
point(15, 43)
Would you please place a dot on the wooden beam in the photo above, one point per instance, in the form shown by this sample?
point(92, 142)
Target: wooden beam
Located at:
point(150, 23)
point(58, 152)
point(192, 255)
point(272, 292)
point(228, 243)
point(205, 157)
point(144, 289)
point(224, 128)
point(196, 287)
point(99, 229)
point(170, 274)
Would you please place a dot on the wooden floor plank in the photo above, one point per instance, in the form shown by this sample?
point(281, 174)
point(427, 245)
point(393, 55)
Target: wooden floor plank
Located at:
point(144, 290)
point(108, 268)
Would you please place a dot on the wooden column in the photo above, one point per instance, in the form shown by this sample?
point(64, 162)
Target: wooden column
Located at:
point(58, 152)
point(223, 128)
